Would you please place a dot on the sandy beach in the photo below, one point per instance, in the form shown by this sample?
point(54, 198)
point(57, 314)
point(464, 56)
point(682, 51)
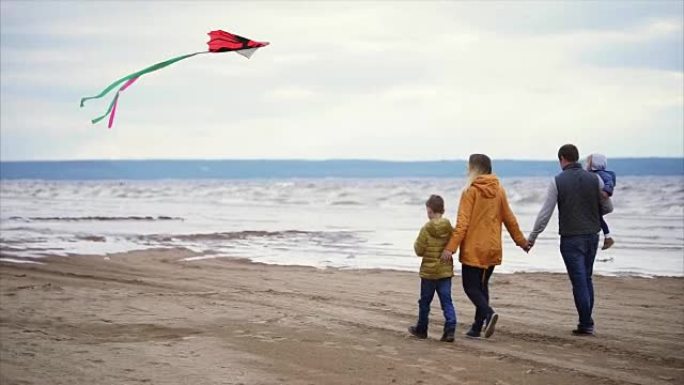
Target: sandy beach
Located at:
point(149, 317)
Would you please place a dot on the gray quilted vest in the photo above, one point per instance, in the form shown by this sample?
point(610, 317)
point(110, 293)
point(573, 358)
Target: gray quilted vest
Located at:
point(578, 201)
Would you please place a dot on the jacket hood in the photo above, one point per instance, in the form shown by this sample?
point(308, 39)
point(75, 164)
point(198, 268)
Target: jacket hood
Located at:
point(598, 162)
point(439, 228)
point(488, 185)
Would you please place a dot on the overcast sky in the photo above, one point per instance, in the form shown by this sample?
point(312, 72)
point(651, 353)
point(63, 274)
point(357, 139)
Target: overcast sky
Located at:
point(376, 80)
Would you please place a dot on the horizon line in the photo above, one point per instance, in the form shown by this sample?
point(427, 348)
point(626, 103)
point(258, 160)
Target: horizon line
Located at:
point(315, 160)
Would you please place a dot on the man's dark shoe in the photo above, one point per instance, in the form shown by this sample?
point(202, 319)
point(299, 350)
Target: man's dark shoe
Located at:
point(472, 333)
point(417, 333)
point(448, 336)
point(583, 332)
point(490, 324)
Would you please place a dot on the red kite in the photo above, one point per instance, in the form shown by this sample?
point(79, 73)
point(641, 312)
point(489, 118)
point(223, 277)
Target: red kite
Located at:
point(219, 41)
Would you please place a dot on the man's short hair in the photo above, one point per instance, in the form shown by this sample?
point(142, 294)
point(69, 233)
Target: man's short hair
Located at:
point(568, 152)
point(436, 204)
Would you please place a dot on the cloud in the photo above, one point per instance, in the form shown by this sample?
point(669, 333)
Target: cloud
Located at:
point(344, 80)
point(291, 93)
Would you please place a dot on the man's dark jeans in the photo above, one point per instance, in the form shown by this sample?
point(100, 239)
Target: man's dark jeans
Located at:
point(579, 252)
point(427, 293)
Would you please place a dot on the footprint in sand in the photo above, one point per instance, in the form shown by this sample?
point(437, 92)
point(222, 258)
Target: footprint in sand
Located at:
point(259, 322)
point(389, 349)
point(261, 337)
point(391, 358)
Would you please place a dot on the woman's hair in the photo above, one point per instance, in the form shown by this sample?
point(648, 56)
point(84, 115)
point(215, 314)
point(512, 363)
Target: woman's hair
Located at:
point(478, 164)
point(436, 204)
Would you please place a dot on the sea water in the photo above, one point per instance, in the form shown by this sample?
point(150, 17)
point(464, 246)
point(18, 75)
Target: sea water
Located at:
point(343, 223)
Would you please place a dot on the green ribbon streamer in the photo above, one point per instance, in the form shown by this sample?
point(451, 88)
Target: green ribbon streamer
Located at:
point(134, 75)
point(109, 110)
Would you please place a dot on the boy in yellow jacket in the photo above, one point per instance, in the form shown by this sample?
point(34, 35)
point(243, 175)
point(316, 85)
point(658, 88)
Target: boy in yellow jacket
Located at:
point(435, 275)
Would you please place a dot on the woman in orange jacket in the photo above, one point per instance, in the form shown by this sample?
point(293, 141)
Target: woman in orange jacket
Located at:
point(481, 212)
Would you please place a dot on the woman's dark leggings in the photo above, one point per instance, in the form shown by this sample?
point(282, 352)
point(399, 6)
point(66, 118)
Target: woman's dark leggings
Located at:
point(476, 286)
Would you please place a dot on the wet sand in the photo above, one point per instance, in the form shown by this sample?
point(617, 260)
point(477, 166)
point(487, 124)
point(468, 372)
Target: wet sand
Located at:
point(149, 318)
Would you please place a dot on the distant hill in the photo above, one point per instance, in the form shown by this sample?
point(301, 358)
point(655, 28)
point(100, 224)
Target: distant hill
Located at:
point(250, 169)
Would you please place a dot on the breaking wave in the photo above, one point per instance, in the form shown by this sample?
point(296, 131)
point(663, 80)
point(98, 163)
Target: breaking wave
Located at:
point(95, 218)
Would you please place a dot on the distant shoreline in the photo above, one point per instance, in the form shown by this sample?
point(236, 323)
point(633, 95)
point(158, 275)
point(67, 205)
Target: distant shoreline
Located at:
point(286, 169)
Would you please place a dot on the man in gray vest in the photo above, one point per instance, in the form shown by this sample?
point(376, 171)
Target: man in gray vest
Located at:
point(577, 193)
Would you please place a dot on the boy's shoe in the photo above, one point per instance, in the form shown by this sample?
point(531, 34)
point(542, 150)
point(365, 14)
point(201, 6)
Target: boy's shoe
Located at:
point(583, 332)
point(490, 324)
point(607, 243)
point(416, 333)
point(448, 336)
point(472, 333)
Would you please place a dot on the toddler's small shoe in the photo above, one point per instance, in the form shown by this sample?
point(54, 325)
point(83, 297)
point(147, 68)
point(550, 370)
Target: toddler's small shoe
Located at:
point(607, 243)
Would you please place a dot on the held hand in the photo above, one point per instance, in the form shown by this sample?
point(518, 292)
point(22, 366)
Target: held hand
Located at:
point(529, 246)
point(446, 256)
point(526, 246)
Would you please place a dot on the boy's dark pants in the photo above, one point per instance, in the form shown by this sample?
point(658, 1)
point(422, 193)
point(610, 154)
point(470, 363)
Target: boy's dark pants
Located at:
point(427, 293)
point(476, 286)
point(579, 252)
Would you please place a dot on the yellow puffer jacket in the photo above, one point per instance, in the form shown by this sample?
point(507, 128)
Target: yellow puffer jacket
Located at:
point(483, 209)
point(430, 244)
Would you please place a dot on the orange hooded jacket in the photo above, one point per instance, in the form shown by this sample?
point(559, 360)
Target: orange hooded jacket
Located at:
point(482, 210)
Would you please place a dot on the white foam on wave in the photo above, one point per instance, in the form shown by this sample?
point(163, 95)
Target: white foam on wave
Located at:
point(14, 260)
point(343, 223)
point(200, 258)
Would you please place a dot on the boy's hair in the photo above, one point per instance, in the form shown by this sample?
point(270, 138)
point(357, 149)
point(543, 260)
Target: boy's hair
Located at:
point(480, 163)
point(568, 152)
point(436, 204)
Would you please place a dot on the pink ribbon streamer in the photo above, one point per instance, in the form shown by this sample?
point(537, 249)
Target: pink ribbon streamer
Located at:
point(116, 100)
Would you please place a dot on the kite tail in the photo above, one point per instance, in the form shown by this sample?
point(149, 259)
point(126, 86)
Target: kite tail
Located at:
point(128, 80)
point(111, 116)
point(115, 102)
